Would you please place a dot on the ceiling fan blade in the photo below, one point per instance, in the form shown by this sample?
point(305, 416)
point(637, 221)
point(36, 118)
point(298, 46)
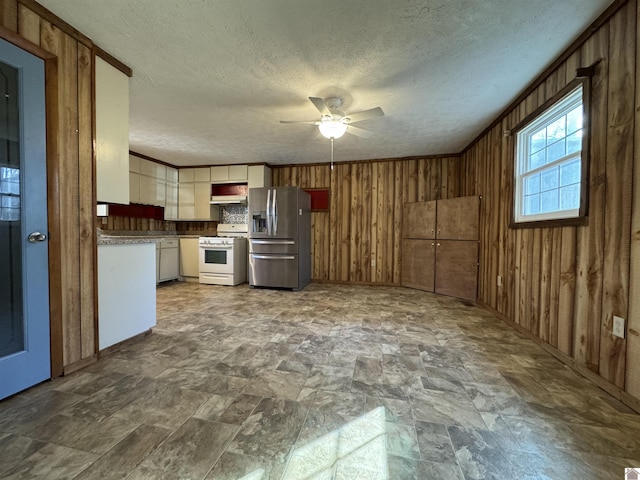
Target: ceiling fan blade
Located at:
point(364, 115)
point(321, 106)
point(296, 121)
point(358, 132)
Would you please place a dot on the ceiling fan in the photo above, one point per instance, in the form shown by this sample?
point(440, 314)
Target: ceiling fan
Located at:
point(334, 122)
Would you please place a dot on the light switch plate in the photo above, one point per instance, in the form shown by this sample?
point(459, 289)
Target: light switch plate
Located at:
point(618, 326)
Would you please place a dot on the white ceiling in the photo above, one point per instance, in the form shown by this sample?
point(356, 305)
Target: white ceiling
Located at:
point(212, 79)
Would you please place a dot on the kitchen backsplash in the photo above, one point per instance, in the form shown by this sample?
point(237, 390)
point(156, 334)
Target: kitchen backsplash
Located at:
point(234, 214)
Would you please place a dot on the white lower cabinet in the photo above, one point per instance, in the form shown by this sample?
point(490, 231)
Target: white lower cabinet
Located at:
point(189, 261)
point(126, 292)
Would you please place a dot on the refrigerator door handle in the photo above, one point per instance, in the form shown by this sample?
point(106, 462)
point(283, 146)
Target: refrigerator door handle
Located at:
point(273, 242)
point(275, 213)
point(268, 214)
point(273, 257)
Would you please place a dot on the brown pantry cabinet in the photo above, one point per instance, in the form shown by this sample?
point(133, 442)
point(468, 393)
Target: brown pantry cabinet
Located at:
point(440, 246)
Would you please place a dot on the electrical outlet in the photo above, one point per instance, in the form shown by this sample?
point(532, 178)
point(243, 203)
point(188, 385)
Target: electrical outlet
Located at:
point(618, 326)
point(373, 262)
point(104, 220)
point(499, 281)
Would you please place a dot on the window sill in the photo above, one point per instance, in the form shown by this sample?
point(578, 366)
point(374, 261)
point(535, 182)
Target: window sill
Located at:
point(554, 222)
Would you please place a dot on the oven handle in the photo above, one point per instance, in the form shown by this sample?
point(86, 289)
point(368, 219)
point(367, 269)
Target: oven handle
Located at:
point(273, 257)
point(273, 242)
point(217, 247)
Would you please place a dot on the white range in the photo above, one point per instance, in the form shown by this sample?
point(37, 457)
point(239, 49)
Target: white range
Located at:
point(223, 259)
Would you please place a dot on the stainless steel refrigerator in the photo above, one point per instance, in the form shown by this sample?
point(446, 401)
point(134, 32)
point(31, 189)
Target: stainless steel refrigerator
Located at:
point(279, 237)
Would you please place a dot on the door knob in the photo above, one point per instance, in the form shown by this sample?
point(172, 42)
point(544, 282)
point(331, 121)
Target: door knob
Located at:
point(37, 237)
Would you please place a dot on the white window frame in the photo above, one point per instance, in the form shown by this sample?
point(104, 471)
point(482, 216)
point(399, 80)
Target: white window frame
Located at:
point(549, 115)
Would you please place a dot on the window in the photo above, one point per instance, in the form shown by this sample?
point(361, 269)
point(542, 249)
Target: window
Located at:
point(9, 194)
point(549, 162)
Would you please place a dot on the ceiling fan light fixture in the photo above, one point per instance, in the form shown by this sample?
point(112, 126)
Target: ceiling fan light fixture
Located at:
point(332, 129)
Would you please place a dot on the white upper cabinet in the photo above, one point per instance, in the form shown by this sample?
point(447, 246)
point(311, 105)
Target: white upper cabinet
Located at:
point(229, 174)
point(112, 133)
point(259, 176)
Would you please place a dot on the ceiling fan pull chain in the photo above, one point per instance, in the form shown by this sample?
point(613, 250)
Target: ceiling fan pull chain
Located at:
point(331, 153)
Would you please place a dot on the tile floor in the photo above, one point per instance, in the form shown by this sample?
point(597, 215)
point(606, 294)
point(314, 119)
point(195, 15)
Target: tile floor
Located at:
point(345, 382)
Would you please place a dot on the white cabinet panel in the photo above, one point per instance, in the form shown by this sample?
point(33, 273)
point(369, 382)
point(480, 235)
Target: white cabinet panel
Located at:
point(126, 291)
point(134, 187)
point(229, 173)
point(258, 176)
point(186, 201)
point(171, 201)
point(202, 174)
point(172, 175)
point(219, 174)
point(189, 266)
point(237, 173)
point(112, 133)
point(186, 175)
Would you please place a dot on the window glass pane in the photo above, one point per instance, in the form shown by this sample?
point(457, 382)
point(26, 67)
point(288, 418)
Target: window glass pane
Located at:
point(570, 197)
point(549, 179)
point(549, 201)
point(570, 173)
point(556, 131)
point(574, 120)
point(532, 184)
point(531, 204)
point(537, 160)
point(538, 141)
point(574, 142)
point(555, 151)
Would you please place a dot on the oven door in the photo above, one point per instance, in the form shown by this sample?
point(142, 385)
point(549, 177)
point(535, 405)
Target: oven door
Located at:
point(216, 259)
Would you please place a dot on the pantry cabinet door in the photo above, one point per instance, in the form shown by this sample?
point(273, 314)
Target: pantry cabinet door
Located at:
point(418, 264)
point(419, 220)
point(458, 218)
point(457, 268)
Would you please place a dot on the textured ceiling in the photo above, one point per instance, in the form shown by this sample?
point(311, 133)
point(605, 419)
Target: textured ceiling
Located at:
point(212, 79)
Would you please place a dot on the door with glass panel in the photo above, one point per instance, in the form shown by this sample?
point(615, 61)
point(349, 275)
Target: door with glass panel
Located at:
point(24, 275)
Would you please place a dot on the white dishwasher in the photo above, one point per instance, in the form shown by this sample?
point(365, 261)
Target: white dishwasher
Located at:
point(168, 260)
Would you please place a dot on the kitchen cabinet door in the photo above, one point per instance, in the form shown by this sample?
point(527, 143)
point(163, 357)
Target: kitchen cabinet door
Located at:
point(458, 218)
point(418, 264)
point(147, 190)
point(237, 173)
point(186, 201)
point(134, 187)
point(419, 220)
point(258, 176)
point(171, 201)
point(189, 261)
point(457, 268)
point(112, 133)
point(203, 209)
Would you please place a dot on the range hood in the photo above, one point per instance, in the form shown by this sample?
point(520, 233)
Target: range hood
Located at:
point(229, 193)
point(228, 199)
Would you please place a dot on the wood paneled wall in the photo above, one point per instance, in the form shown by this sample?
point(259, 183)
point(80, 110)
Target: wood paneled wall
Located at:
point(564, 285)
point(359, 238)
point(70, 174)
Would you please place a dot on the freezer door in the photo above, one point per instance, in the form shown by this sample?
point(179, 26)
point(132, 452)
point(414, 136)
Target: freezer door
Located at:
point(277, 271)
point(282, 246)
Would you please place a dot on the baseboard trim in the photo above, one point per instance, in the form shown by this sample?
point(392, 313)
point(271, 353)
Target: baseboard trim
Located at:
point(615, 391)
point(79, 365)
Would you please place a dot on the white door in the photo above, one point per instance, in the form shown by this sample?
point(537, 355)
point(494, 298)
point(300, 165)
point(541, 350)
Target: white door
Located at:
point(24, 275)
